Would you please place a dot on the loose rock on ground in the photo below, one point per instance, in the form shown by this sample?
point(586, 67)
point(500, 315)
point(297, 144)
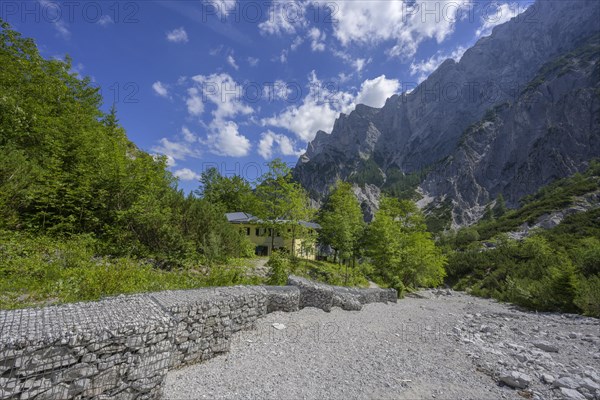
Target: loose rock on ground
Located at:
point(437, 345)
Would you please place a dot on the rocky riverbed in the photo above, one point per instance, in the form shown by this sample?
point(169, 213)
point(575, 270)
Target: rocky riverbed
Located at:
point(439, 345)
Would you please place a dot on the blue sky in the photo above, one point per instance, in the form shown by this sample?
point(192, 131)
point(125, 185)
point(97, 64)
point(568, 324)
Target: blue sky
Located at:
point(232, 84)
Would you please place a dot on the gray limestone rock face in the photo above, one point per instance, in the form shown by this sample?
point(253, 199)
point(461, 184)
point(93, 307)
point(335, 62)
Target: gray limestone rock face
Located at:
point(518, 111)
point(548, 132)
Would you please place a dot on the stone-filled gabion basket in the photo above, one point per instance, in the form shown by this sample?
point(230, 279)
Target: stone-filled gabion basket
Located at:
point(319, 295)
point(123, 347)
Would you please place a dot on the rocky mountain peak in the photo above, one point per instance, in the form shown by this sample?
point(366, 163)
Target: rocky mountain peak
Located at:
point(428, 130)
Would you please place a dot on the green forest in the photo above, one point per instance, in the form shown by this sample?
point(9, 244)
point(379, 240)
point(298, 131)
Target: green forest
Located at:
point(554, 269)
point(85, 213)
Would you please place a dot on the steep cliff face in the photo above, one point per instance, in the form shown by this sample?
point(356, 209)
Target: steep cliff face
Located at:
point(482, 126)
point(550, 131)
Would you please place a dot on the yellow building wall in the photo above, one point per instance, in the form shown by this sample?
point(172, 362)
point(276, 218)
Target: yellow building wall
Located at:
point(303, 248)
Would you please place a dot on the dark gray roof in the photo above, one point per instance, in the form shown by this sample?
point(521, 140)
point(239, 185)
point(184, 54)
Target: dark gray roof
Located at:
point(311, 225)
point(242, 217)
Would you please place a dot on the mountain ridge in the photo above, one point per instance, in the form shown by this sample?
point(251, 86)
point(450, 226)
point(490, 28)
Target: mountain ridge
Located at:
point(416, 132)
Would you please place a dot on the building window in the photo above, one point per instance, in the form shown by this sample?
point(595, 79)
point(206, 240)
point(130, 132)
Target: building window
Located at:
point(257, 231)
point(247, 231)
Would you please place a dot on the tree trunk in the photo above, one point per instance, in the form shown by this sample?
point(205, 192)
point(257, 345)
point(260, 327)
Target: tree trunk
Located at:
point(294, 242)
point(272, 240)
point(346, 280)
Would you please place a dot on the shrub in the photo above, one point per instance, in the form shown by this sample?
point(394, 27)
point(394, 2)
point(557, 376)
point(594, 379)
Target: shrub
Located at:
point(279, 265)
point(588, 296)
point(466, 236)
point(531, 273)
point(332, 273)
point(399, 286)
point(39, 270)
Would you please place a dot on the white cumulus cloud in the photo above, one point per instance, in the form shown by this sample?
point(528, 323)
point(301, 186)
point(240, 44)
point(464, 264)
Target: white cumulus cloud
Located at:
point(317, 111)
point(422, 69)
point(225, 139)
point(160, 89)
point(195, 105)
point(231, 61)
point(188, 135)
point(323, 104)
point(405, 24)
point(223, 92)
point(272, 143)
point(296, 43)
point(284, 18)
point(175, 150)
point(224, 7)
point(178, 35)
point(105, 20)
point(53, 12)
point(225, 95)
point(360, 63)
point(178, 148)
point(376, 91)
point(496, 14)
point(186, 174)
point(316, 39)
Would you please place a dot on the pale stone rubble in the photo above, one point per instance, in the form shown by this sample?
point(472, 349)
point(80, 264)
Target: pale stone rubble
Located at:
point(435, 344)
point(541, 360)
point(123, 347)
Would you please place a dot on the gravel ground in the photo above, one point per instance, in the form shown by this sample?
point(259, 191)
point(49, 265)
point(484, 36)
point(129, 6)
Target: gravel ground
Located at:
point(445, 345)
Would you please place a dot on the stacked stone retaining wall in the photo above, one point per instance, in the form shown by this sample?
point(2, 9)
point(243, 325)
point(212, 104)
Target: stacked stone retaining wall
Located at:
point(123, 347)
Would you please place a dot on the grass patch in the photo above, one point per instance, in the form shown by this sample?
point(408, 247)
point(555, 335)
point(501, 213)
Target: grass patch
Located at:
point(330, 273)
point(41, 270)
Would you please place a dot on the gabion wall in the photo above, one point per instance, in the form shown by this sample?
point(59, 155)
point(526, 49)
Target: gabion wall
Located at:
point(123, 347)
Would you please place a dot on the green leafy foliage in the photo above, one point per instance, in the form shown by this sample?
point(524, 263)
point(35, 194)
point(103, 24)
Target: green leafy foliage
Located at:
point(332, 273)
point(401, 185)
point(39, 270)
point(438, 217)
point(530, 273)
point(554, 270)
point(279, 266)
point(500, 207)
point(69, 172)
point(552, 197)
point(341, 221)
point(233, 193)
point(282, 203)
point(367, 172)
point(400, 247)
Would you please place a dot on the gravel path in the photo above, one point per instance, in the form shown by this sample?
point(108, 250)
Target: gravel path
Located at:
point(449, 346)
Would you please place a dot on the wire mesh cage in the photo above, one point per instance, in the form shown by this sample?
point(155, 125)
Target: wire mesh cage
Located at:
point(117, 348)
